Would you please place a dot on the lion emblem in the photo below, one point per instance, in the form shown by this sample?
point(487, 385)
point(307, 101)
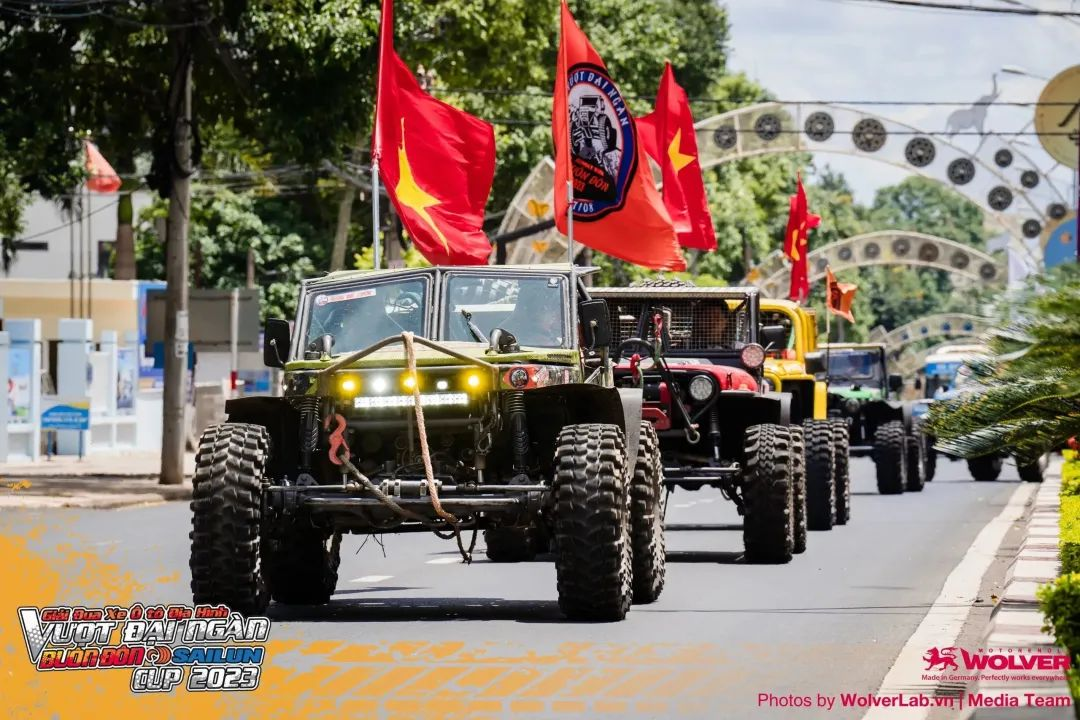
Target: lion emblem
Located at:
point(941, 659)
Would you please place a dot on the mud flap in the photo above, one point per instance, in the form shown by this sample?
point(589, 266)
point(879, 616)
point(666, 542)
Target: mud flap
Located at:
point(631, 405)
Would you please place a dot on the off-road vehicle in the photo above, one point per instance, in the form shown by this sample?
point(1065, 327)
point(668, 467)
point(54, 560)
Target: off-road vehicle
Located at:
point(860, 392)
point(695, 353)
point(444, 399)
point(828, 499)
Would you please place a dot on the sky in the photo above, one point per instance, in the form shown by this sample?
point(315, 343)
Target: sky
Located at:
point(849, 50)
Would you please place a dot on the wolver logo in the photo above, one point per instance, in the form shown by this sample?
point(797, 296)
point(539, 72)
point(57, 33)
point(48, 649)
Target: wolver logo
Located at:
point(941, 658)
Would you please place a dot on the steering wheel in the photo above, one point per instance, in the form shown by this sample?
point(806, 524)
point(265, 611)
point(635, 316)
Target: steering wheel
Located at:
point(635, 346)
point(407, 303)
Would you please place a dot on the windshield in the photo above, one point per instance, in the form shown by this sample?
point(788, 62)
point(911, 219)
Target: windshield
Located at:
point(359, 315)
point(854, 366)
point(532, 308)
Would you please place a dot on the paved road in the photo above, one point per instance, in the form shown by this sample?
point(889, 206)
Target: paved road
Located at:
point(424, 629)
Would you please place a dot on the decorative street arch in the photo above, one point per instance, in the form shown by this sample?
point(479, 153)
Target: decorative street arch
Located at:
point(996, 177)
point(948, 325)
point(885, 247)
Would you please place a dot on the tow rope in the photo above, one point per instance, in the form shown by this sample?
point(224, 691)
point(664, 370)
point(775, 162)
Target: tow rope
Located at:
point(340, 455)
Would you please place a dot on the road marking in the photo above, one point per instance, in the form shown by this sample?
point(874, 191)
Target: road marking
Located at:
point(444, 561)
point(372, 578)
point(943, 623)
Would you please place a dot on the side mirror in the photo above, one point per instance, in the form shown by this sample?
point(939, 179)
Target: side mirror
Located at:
point(896, 382)
point(773, 337)
point(277, 343)
point(815, 363)
point(595, 323)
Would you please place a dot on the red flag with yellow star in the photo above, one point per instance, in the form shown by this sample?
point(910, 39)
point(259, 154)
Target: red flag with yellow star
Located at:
point(436, 161)
point(669, 138)
point(797, 243)
point(617, 208)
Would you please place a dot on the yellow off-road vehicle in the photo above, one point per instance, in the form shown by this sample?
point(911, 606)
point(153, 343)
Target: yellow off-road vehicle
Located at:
point(828, 487)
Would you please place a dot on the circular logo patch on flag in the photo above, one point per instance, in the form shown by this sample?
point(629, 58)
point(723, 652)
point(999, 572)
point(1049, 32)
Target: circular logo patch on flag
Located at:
point(603, 143)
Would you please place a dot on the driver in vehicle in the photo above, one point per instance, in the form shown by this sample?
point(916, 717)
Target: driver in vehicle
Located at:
point(716, 326)
point(356, 319)
point(537, 319)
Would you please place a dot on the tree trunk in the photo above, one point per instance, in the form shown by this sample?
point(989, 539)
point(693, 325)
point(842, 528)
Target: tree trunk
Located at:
point(124, 248)
point(341, 235)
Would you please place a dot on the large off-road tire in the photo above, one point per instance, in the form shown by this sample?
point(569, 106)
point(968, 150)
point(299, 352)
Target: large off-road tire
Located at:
point(593, 559)
point(985, 468)
point(798, 489)
point(510, 544)
point(300, 565)
point(648, 501)
point(768, 527)
point(226, 514)
point(931, 457)
point(841, 473)
point(1031, 472)
point(916, 463)
point(820, 480)
point(890, 458)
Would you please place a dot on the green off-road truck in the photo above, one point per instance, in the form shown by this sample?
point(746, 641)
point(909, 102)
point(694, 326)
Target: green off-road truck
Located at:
point(862, 391)
point(450, 400)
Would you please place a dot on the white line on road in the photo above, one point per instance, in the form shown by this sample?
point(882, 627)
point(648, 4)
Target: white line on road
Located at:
point(444, 561)
point(372, 578)
point(943, 623)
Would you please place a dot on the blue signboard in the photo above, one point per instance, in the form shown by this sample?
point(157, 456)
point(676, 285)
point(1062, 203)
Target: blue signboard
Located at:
point(65, 413)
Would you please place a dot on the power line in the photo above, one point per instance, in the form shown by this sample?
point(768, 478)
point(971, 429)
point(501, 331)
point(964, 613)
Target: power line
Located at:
point(956, 7)
point(68, 224)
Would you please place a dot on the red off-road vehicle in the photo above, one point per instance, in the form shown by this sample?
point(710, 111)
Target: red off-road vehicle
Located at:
point(697, 356)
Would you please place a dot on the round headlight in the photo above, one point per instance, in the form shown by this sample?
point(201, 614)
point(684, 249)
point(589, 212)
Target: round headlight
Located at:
point(702, 387)
point(519, 377)
point(752, 356)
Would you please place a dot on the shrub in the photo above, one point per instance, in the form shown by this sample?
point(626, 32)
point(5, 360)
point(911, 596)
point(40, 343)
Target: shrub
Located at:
point(1070, 474)
point(1070, 534)
point(1060, 603)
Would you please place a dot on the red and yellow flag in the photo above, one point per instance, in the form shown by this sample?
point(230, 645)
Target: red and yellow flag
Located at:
point(839, 296)
point(103, 178)
point(438, 162)
point(668, 137)
point(617, 208)
point(797, 244)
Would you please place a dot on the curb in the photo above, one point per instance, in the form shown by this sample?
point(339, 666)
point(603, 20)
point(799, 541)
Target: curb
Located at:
point(1016, 622)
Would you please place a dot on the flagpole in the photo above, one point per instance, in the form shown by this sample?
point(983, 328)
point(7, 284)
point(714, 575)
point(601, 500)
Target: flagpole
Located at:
point(571, 253)
point(375, 211)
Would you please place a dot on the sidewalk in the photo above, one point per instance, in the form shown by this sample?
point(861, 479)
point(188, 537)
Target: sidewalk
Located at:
point(98, 481)
point(1016, 624)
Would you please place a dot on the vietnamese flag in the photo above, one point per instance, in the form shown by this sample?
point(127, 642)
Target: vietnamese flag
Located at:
point(668, 137)
point(617, 208)
point(438, 162)
point(103, 178)
point(839, 296)
point(797, 244)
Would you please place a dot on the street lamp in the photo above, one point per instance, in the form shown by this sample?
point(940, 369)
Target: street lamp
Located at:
point(1017, 70)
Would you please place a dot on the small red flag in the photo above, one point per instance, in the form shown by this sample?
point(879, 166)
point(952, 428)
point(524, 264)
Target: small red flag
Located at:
point(796, 242)
point(839, 296)
point(617, 208)
point(438, 165)
point(103, 178)
point(668, 137)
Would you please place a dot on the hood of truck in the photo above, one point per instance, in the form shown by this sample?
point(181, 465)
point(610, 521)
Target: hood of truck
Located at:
point(394, 356)
point(860, 394)
point(784, 368)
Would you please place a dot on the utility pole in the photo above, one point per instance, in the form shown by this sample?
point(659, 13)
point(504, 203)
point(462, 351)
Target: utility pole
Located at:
point(174, 427)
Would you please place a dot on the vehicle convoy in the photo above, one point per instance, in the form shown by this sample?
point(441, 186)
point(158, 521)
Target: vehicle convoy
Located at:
point(445, 399)
point(860, 390)
point(696, 355)
point(944, 376)
point(828, 499)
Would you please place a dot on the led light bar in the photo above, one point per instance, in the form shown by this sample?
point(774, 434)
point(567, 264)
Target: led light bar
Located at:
point(426, 400)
